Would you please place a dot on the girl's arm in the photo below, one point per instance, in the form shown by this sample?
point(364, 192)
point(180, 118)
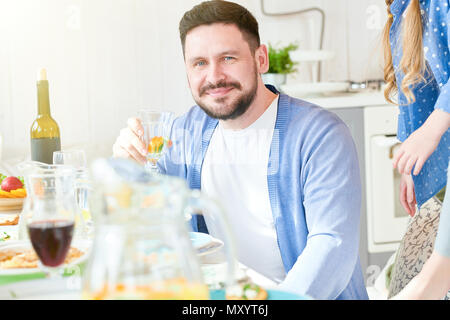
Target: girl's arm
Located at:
point(416, 149)
point(407, 194)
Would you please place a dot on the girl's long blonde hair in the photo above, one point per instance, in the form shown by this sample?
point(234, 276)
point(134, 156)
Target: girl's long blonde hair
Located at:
point(412, 63)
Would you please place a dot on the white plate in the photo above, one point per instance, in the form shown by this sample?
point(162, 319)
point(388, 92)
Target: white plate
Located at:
point(200, 239)
point(83, 245)
point(11, 204)
point(213, 247)
point(204, 244)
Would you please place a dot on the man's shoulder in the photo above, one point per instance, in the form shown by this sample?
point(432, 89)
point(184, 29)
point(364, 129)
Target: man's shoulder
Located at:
point(301, 112)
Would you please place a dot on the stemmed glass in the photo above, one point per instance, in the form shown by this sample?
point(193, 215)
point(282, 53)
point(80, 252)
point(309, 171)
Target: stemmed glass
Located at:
point(51, 225)
point(157, 128)
point(77, 159)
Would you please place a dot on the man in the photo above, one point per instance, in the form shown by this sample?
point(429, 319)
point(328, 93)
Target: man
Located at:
point(285, 171)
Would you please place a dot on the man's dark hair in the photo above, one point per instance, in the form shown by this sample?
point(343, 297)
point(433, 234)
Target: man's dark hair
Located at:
point(219, 11)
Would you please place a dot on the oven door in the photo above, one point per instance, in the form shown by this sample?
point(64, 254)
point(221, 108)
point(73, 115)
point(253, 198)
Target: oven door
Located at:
point(387, 218)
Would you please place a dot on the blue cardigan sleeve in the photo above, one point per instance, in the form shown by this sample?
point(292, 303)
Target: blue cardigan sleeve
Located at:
point(332, 203)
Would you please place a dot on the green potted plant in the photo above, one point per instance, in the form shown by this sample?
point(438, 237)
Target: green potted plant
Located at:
point(280, 64)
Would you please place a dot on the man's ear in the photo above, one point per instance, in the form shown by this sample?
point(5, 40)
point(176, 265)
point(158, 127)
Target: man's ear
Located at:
point(262, 59)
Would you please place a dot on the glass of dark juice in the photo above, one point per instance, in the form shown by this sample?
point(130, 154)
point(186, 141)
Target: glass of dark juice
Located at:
point(52, 216)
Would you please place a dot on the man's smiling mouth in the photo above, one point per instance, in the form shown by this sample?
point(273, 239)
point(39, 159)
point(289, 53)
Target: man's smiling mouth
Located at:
point(219, 92)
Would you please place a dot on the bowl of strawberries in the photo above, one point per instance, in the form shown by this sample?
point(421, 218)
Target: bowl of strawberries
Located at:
point(12, 193)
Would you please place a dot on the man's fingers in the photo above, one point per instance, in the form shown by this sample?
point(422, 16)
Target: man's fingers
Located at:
point(135, 126)
point(120, 152)
point(129, 151)
point(128, 138)
point(132, 144)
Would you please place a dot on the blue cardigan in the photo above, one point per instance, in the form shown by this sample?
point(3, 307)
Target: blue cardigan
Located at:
point(314, 190)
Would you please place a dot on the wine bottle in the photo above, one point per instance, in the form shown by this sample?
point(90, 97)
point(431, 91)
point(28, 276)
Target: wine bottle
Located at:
point(45, 137)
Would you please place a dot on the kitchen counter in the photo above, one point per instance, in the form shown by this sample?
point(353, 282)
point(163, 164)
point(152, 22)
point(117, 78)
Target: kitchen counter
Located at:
point(348, 99)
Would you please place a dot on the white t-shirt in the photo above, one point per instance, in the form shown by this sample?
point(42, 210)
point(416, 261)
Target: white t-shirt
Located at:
point(234, 172)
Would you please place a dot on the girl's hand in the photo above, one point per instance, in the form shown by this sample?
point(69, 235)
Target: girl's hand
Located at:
point(415, 150)
point(407, 194)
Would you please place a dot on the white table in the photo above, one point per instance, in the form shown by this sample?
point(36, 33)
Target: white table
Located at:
point(213, 267)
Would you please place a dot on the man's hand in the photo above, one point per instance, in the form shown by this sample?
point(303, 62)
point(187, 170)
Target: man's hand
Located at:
point(129, 144)
point(407, 195)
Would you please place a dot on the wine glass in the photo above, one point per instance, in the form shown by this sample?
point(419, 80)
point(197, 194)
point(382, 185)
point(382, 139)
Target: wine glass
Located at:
point(77, 159)
point(157, 128)
point(51, 224)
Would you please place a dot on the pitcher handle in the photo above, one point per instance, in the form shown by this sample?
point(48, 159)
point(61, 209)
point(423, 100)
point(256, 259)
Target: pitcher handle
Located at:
point(203, 205)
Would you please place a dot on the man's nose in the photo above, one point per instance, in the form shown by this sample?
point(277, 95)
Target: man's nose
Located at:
point(215, 73)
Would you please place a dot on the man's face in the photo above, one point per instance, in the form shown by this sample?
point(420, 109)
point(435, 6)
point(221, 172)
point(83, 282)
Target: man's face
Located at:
point(221, 69)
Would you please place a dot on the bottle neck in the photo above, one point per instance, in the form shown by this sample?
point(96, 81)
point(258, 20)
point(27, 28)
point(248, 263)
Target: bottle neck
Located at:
point(43, 98)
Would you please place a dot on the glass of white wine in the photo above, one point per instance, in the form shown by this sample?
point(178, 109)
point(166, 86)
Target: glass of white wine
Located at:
point(157, 128)
point(76, 158)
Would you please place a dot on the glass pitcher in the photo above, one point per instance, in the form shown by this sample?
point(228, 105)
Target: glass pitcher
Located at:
point(63, 196)
point(142, 248)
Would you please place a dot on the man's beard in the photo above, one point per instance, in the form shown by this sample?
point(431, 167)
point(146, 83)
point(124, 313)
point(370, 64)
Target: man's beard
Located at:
point(239, 106)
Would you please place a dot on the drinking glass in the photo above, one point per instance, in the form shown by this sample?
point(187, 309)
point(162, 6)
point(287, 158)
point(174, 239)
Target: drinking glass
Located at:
point(51, 223)
point(77, 159)
point(157, 128)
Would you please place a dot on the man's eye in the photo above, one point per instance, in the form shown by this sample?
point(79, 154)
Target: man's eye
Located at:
point(228, 58)
point(200, 63)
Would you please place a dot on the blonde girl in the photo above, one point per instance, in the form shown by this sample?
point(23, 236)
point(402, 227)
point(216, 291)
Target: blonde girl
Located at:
point(417, 69)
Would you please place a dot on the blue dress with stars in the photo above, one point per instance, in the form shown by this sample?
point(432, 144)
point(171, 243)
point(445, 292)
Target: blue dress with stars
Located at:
point(433, 93)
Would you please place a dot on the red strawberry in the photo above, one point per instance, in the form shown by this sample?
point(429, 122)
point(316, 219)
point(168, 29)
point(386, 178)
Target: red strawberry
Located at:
point(11, 183)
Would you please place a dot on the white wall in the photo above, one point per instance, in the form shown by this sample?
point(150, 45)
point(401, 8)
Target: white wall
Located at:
point(352, 31)
point(107, 58)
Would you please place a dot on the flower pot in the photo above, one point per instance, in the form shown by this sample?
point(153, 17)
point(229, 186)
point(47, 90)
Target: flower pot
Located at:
point(275, 79)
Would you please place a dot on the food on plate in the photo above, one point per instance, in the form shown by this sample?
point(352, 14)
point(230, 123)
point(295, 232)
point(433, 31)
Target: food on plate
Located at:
point(12, 187)
point(11, 183)
point(247, 291)
point(10, 220)
point(24, 259)
point(4, 236)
